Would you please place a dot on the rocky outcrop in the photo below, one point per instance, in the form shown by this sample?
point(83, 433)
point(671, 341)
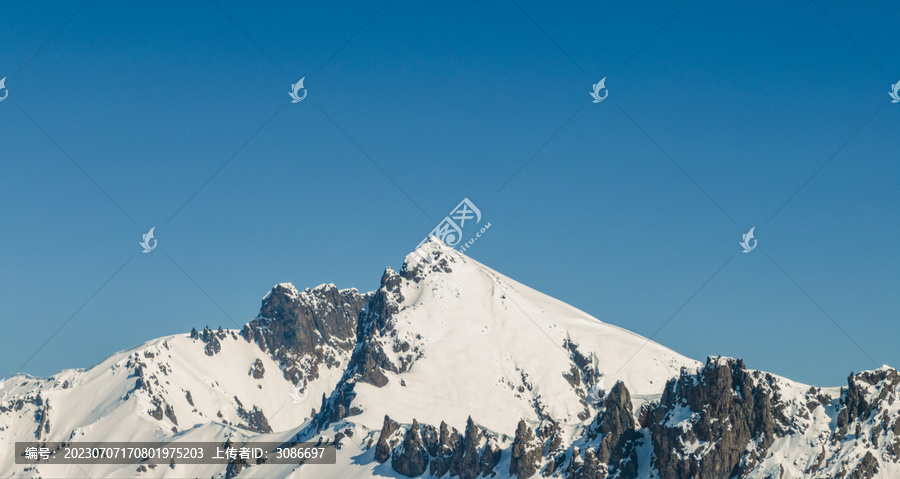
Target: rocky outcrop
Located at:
point(616, 427)
point(211, 339)
point(704, 423)
point(867, 468)
point(257, 370)
point(441, 445)
point(586, 467)
point(442, 451)
point(369, 362)
point(306, 330)
point(465, 461)
point(42, 417)
point(856, 404)
point(430, 257)
point(525, 456)
point(384, 447)
point(411, 458)
point(254, 420)
point(606, 449)
point(721, 421)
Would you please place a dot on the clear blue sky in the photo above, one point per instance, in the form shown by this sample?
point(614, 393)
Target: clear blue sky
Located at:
point(125, 113)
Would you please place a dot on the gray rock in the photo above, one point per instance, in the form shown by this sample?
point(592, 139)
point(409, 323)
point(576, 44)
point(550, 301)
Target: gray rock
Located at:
point(731, 408)
point(383, 448)
point(411, 458)
point(525, 456)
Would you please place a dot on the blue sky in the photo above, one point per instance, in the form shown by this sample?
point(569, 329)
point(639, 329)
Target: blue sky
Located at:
point(122, 117)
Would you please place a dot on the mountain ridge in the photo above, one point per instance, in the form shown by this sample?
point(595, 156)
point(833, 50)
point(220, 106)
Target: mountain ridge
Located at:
point(451, 369)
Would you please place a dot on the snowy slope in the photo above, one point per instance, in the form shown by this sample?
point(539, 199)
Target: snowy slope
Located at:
point(105, 403)
point(485, 346)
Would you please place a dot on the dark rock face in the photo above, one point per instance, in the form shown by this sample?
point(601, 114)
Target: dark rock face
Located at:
point(42, 417)
point(257, 370)
point(465, 462)
point(727, 407)
point(864, 406)
point(526, 452)
point(293, 325)
point(368, 361)
point(213, 345)
point(170, 413)
point(411, 459)
point(255, 420)
point(866, 469)
point(490, 457)
point(441, 446)
point(854, 406)
point(439, 452)
point(383, 448)
point(721, 422)
point(616, 425)
point(588, 467)
point(305, 320)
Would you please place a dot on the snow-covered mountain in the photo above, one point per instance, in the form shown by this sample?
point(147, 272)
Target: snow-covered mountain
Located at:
point(451, 369)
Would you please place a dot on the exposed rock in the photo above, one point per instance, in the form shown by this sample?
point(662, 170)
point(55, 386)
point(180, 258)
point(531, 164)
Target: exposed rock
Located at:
point(441, 447)
point(490, 457)
point(704, 422)
point(465, 462)
point(257, 370)
point(855, 405)
point(525, 456)
point(411, 458)
point(431, 256)
point(866, 469)
point(213, 345)
point(616, 425)
point(439, 451)
point(169, 412)
point(383, 448)
point(42, 417)
point(587, 468)
point(294, 325)
point(255, 420)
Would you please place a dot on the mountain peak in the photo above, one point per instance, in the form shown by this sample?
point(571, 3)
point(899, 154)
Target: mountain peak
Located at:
point(433, 255)
point(285, 289)
point(476, 343)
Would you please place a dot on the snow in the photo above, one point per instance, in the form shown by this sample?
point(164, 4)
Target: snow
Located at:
point(93, 406)
point(482, 331)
